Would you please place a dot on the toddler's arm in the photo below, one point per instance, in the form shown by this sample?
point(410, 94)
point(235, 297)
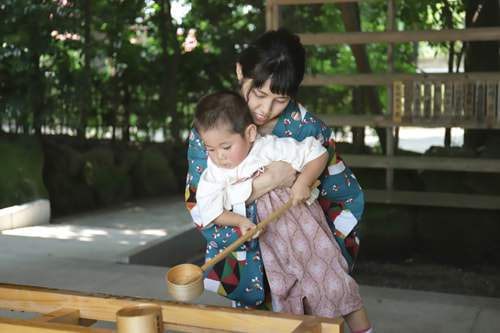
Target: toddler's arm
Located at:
point(231, 219)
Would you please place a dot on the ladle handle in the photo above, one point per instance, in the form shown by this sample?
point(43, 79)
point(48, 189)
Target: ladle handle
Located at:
point(251, 233)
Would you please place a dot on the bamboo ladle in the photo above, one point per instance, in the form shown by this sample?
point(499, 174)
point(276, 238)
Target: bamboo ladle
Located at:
point(185, 281)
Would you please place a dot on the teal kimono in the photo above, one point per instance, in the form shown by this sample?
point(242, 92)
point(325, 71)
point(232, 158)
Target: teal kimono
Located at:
point(241, 276)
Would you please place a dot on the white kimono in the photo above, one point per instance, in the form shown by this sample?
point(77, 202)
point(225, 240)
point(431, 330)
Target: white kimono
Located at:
point(220, 188)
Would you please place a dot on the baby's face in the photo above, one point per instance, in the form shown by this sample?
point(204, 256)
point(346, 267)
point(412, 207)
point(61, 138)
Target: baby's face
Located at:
point(226, 149)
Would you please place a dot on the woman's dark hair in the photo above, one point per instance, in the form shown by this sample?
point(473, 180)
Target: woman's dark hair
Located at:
point(278, 55)
point(222, 109)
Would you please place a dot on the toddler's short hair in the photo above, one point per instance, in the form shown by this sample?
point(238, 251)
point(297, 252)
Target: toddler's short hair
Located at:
point(222, 109)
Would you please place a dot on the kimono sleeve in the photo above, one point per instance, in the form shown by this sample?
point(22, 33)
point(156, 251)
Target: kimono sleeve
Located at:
point(210, 198)
point(298, 154)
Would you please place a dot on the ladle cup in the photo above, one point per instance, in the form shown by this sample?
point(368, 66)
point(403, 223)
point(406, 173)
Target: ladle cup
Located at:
point(185, 281)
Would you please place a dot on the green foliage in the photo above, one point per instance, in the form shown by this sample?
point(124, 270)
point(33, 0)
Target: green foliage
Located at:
point(141, 80)
point(108, 180)
point(153, 174)
point(21, 171)
point(64, 179)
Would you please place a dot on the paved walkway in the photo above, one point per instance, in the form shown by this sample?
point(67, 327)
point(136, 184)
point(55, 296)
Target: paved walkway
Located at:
point(82, 252)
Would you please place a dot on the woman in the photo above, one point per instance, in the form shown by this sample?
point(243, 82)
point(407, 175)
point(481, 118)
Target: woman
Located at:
point(270, 71)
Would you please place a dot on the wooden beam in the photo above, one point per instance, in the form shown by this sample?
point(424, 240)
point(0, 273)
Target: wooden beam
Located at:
point(62, 316)
point(65, 316)
point(389, 79)
point(175, 314)
point(409, 36)
point(423, 162)
point(13, 325)
point(432, 199)
point(387, 121)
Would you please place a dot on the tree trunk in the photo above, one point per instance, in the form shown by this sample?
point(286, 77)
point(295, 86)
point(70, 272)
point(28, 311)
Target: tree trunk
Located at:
point(451, 55)
point(350, 15)
point(126, 114)
point(87, 78)
point(168, 95)
point(36, 84)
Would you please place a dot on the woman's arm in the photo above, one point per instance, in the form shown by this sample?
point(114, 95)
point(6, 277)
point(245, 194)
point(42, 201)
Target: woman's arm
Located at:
point(197, 159)
point(301, 189)
point(278, 175)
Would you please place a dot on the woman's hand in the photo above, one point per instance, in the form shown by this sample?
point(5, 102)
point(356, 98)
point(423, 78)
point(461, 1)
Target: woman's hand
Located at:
point(300, 193)
point(278, 175)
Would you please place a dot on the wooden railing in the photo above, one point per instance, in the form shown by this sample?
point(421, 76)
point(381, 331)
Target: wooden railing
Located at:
point(463, 100)
point(72, 311)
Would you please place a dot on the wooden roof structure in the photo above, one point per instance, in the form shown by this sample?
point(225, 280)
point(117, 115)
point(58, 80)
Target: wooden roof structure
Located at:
point(469, 100)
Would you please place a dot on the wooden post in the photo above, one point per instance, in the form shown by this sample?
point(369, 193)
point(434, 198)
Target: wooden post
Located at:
point(408, 101)
point(491, 100)
point(389, 132)
point(469, 100)
point(438, 100)
point(397, 115)
point(480, 101)
point(417, 99)
point(448, 100)
point(458, 99)
point(498, 103)
point(427, 100)
point(272, 16)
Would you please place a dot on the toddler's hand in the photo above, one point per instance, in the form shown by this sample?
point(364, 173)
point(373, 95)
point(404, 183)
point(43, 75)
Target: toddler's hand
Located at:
point(246, 225)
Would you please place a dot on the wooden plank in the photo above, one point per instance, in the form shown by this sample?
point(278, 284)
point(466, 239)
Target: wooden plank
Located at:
point(388, 79)
point(498, 103)
point(62, 316)
point(480, 103)
point(386, 121)
point(397, 104)
point(448, 100)
point(408, 101)
point(423, 162)
point(438, 100)
point(433, 199)
point(417, 100)
point(175, 314)
point(14, 325)
point(427, 110)
point(65, 316)
point(491, 100)
point(469, 100)
point(458, 99)
point(408, 36)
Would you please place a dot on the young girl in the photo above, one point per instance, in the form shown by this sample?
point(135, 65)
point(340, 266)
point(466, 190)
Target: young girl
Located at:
point(304, 265)
point(270, 71)
point(237, 154)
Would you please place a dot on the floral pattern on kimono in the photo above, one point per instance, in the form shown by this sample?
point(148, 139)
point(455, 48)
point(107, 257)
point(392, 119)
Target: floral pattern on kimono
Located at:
point(341, 196)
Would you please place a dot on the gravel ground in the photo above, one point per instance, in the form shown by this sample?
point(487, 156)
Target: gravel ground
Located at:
point(477, 280)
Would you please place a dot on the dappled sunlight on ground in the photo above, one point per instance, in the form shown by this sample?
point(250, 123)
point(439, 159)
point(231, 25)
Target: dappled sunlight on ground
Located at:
point(88, 234)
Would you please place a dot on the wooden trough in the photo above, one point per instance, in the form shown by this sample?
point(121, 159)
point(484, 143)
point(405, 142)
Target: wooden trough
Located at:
point(75, 311)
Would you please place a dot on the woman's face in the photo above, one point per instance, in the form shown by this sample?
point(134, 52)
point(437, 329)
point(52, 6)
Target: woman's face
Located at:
point(265, 106)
